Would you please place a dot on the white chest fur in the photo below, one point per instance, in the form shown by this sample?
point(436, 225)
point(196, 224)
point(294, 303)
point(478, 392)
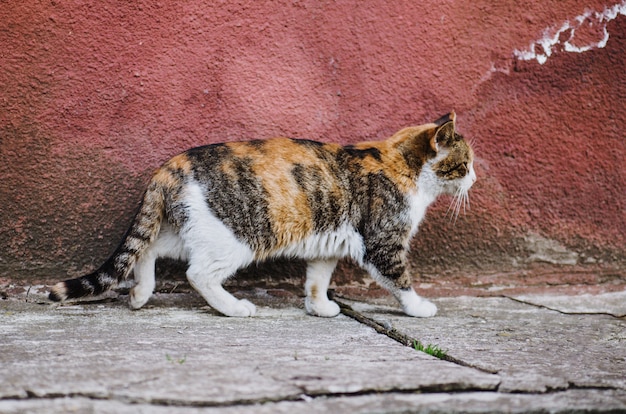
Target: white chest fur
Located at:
point(418, 204)
point(426, 193)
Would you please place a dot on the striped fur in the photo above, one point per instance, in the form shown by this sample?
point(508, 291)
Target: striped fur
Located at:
point(224, 206)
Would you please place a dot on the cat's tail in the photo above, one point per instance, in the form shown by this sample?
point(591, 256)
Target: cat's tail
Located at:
point(143, 231)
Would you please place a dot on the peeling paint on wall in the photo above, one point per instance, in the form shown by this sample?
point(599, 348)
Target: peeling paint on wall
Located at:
point(547, 250)
point(584, 32)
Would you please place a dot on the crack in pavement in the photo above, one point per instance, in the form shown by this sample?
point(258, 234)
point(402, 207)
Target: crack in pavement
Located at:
point(406, 340)
point(112, 396)
point(540, 306)
point(303, 397)
point(394, 334)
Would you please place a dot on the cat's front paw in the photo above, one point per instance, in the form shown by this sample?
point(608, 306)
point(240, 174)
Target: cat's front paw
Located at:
point(242, 308)
point(414, 305)
point(325, 309)
point(421, 308)
point(137, 298)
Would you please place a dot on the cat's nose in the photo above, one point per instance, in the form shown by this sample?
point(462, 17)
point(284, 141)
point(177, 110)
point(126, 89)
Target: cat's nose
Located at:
point(473, 175)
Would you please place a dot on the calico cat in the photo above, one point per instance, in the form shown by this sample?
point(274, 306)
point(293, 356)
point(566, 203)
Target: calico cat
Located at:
point(222, 207)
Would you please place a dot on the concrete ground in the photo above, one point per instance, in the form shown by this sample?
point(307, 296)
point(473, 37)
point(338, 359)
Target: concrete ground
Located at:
point(533, 353)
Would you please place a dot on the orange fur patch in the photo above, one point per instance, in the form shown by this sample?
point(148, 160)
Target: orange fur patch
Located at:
point(181, 163)
point(392, 163)
point(164, 176)
point(273, 162)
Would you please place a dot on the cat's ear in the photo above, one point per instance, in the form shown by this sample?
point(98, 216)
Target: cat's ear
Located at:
point(444, 131)
point(445, 119)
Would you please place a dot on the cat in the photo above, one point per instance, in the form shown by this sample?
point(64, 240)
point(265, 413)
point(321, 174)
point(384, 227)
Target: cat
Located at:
point(224, 206)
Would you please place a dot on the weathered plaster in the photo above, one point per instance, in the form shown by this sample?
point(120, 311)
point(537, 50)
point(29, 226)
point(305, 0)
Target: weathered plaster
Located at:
point(94, 96)
point(566, 37)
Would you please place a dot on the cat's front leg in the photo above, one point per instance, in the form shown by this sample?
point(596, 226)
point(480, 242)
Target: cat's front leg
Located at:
point(318, 274)
point(391, 272)
point(415, 305)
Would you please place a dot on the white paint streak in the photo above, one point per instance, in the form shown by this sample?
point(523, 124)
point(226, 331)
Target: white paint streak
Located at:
point(543, 48)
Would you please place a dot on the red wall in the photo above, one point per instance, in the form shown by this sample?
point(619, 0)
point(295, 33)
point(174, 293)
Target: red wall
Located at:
point(95, 95)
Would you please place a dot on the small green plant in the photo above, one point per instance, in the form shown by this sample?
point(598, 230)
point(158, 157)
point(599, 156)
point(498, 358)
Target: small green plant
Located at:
point(176, 360)
point(430, 349)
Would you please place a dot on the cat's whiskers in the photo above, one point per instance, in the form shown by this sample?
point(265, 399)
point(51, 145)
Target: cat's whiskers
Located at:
point(474, 145)
point(458, 202)
point(452, 204)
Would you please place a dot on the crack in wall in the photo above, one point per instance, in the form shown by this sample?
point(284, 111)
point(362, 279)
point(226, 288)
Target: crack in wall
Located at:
point(582, 33)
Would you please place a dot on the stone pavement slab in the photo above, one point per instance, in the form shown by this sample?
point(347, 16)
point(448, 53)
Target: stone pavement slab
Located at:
point(193, 357)
point(533, 349)
point(178, 356)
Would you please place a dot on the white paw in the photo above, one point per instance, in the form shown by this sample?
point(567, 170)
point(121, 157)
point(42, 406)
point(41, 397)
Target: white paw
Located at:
point(420, 308)
point(242, 308)
point(326, 309)
point(138, 298)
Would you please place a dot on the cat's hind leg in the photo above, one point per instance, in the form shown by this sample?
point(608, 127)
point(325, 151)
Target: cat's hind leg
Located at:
point(213, 258)
point(167, 244)
point(209, 285)
point(144, 279)
point(318, 274)
point(215, 254)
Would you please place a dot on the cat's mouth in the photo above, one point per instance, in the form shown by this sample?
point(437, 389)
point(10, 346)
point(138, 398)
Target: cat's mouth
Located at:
point(460, 200)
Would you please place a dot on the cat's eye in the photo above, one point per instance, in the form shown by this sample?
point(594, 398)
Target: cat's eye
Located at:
point(461, 168)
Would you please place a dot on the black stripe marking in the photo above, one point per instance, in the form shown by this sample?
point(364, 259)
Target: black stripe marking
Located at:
point(365, 152)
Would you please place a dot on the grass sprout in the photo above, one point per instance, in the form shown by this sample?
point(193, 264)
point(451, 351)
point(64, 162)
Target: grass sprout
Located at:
point(176, 360)
point(430, 349)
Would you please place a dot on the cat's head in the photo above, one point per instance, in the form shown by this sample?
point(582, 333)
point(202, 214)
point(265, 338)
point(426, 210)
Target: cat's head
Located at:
point(441, 158)
point(452, 159)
